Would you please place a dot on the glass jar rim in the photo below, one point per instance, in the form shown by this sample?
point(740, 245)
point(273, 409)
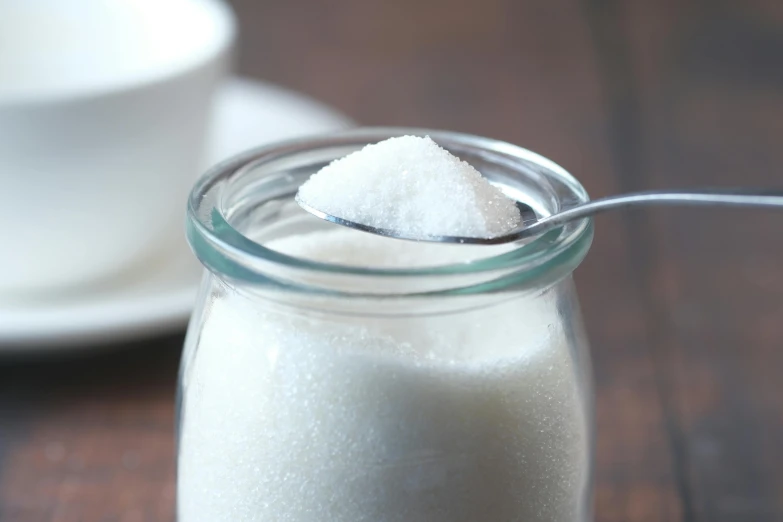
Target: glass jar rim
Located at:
point(214, 239)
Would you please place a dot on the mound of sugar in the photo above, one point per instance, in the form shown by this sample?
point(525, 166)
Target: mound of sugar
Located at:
point(414, 187)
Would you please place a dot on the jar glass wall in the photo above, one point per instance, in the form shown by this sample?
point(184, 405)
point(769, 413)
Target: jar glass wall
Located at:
point(453, 390)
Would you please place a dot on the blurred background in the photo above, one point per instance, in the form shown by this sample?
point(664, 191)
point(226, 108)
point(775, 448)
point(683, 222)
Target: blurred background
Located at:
point(684, 308)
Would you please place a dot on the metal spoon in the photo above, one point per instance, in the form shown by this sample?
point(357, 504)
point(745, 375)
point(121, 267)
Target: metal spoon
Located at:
point(533, 225)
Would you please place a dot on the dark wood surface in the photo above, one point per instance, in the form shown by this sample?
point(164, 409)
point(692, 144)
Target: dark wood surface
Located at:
point(684, 308)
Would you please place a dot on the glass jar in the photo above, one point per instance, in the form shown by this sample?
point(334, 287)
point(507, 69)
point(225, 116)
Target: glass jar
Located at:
point(314, 390)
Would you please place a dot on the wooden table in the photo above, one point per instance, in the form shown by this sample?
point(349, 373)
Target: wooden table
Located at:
point(685, 308)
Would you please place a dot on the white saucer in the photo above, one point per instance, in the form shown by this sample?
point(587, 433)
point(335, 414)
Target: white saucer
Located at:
point(158, 298)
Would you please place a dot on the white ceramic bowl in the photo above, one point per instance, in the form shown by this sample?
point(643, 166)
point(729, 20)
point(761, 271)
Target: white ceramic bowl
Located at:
point(104, 107)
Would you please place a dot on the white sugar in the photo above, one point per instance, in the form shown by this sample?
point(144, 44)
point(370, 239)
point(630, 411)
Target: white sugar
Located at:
point(304, 416)
point(414, 187)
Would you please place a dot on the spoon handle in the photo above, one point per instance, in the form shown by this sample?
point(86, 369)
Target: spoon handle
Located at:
point(734, 197)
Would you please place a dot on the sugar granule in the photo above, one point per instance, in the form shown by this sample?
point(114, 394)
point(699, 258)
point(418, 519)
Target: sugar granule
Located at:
point(412, 186)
